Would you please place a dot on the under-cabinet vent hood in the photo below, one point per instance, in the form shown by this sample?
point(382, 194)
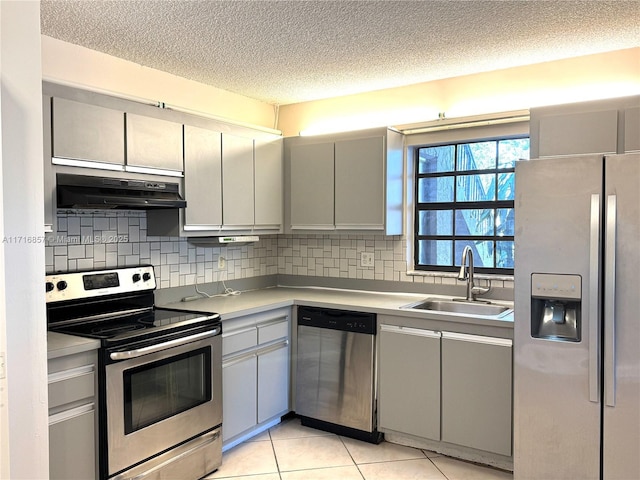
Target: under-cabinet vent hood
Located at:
point(89, 192)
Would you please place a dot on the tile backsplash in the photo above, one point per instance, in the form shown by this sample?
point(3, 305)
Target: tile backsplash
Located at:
point(108, 239)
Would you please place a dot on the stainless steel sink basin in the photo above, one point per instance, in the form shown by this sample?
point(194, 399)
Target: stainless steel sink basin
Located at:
point(461, 306)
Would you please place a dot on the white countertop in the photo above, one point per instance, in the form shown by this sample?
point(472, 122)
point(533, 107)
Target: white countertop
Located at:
point(385, 303)
point(60, 345)
point(256, 301)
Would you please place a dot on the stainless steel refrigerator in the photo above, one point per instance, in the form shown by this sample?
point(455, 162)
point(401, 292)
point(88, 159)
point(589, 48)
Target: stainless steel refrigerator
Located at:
point(577, 318)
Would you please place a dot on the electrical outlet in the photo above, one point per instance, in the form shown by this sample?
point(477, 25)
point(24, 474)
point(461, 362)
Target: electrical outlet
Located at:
point(366, 259)
point(222, 263)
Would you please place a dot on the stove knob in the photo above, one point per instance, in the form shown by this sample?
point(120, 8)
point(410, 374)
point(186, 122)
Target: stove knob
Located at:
point(146, 276)
point(49, 286)
point(136, 277)
point(62, 285)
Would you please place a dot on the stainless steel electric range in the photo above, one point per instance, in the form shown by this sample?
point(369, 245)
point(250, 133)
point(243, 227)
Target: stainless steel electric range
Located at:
point(159, 373)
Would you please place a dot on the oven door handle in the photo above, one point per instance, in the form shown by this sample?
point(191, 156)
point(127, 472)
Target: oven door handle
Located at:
point(139, 352)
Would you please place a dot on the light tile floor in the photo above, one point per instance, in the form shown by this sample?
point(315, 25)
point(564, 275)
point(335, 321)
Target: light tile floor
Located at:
point(290, 451)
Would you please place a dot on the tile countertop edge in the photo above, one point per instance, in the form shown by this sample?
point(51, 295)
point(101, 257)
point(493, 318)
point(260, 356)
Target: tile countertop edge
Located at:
point(381, 303)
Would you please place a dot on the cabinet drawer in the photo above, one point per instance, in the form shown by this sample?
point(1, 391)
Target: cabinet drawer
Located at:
point(71, 385)
point(273, 331)
point(239, 341)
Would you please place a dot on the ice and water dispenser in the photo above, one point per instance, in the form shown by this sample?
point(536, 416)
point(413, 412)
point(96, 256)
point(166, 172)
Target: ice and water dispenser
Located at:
point(556, 303)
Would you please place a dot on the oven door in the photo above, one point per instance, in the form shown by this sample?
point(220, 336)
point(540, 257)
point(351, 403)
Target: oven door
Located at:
point(157, 400)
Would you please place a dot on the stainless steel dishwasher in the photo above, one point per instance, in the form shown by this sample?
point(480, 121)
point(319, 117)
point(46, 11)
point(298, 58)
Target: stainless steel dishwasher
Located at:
point(336, 362)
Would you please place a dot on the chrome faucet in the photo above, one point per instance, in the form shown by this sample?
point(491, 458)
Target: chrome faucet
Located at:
point(466, 273)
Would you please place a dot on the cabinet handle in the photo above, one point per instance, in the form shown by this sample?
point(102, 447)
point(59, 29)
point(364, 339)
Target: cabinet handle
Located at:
point(464, 337)
point(68, 374)
point(410, 331)
point(153, 171)
point(72, 413)
point(70, 162)
point(275, 321)
point(273, 348)
point(240, 358)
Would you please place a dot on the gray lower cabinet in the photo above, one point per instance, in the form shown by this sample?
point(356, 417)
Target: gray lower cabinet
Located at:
point(72, 416)
point(409, 381)
point(453, 388)
point(255, 372)
point(477, 392)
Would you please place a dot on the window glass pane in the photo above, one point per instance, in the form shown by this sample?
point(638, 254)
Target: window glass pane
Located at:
point(504, 254)
point(438, 189)
point(476, 156)
point(506, 186)
point(475, 222)
point(476, 188)
point(510, 151)
point(435, 252)
point(482, 252)
point(435, 222)
point(436, 159)
point(505, 222)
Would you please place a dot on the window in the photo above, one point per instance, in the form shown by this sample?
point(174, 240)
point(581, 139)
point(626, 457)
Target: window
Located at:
point(465, 196)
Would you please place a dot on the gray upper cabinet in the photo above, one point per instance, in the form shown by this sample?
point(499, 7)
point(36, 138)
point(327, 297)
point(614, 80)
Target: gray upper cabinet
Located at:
point(359, 166)
point(202, 179)
point(87, 132)
point(351, 181)
point(632, 129)
point(268, 169)
point(154, 144)
point(312, 194)
point(237, 182)
point(601, 126)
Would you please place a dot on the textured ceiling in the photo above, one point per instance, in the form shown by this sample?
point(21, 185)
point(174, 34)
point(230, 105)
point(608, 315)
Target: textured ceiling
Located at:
point(292, 51)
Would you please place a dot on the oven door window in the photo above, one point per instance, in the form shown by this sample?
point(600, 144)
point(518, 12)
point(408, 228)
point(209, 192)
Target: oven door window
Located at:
point(162, 389)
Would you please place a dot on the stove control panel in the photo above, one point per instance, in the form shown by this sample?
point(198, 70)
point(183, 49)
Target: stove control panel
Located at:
point(95, 283)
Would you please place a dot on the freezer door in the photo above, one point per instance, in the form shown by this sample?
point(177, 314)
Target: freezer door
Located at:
point(556, 423)
point(621, 437)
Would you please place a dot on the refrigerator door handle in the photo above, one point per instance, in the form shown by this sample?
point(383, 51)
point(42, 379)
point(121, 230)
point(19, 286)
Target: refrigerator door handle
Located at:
point(610, 304)
point(594, 300)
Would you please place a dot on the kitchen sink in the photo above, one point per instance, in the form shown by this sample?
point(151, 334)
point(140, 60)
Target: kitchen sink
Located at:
point(462, 306)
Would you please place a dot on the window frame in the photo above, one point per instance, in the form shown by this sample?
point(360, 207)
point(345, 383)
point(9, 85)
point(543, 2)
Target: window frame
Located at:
point(456, 206)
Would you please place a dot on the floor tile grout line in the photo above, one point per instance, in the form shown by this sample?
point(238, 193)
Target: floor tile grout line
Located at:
point(351, 456)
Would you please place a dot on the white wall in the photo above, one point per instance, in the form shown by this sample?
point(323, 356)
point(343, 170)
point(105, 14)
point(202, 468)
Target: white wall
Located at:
point(23, 411)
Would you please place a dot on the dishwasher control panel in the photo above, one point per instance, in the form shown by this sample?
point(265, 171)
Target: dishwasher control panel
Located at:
point(344, 320)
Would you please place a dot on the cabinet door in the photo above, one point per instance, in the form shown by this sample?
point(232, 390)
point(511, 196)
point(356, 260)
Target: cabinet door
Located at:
point(359, 184)
point(239, 395)
point(237, 182)
point(49, 174)
point(87, 132)
point(579, 133)
point(268, 184)
point(202, 178)
point(409, 383)
point(476, 392)
point(72, 450)
point(153, 144)
point(312, 187)
point(273, 382)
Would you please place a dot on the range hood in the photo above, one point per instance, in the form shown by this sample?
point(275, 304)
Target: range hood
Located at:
point(89, 192)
